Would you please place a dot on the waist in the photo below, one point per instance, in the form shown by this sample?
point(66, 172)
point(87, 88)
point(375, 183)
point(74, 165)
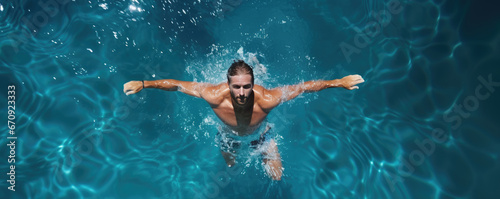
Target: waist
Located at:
point(250, 135)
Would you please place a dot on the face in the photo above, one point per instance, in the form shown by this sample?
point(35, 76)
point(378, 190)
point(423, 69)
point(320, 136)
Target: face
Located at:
point(241, 88)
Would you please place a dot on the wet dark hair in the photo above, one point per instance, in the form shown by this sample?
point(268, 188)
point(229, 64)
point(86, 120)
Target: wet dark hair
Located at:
point(239, 68)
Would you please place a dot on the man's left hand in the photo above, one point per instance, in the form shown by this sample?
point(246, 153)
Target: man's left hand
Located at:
point(349, 82)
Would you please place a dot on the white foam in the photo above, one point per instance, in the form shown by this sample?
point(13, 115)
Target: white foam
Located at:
point(240, 52)
point(259, 70)
point(103, 6)
point(132, 8)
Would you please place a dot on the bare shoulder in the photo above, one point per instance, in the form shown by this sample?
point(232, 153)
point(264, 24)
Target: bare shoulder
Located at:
point(265, 93)
point(267, 98)
point(214, 94)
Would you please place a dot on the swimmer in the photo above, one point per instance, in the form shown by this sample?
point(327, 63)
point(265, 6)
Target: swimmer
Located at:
point(243, 106)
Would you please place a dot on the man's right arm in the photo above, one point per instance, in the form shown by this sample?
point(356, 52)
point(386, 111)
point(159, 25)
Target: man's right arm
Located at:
point(209, 92)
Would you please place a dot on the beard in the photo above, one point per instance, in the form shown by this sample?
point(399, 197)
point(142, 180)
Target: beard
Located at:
point(241, 100)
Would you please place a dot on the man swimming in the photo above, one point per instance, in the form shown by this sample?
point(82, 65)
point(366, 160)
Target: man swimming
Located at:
point(243, 106)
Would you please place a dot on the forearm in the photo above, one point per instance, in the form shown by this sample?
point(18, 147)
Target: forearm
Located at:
point(164, 84)
point(190, 88)
point(292, 91)
point(348, 82)
point(317, 85)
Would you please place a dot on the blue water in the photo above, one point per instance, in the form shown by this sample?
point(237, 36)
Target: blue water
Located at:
point(419, 127)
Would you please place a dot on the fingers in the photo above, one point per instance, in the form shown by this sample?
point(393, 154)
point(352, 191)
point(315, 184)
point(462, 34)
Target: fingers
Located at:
point(130, 92)
point(353, 87)
point(357, 79)
point(124, 88)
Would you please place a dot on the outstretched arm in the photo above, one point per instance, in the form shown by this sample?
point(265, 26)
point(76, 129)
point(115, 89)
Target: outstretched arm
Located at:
point(278, 95)
point(209, 92)
point(190, 88)
point(347, 82)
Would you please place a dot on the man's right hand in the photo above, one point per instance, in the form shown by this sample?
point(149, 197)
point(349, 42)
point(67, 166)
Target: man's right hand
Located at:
point(132, 87)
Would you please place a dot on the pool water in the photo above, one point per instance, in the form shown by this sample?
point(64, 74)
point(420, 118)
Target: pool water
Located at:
point(423, 125)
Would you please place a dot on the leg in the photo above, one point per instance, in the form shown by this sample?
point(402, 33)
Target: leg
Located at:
point(272, 160)
point(228, 148)
point(229, 157)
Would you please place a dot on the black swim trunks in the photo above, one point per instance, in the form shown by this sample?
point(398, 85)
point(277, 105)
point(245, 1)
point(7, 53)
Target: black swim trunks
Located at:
point(230, 143)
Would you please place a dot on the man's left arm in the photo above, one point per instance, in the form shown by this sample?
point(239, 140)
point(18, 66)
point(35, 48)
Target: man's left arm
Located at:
point(274, 97)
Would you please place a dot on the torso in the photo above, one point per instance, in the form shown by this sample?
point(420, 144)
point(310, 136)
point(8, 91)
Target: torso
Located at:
point(243, 122)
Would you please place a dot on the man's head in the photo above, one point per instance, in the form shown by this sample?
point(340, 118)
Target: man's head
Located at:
point(240, 81)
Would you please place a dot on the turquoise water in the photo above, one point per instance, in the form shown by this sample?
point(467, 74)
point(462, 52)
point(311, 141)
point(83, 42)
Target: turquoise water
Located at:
point(419, 127)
